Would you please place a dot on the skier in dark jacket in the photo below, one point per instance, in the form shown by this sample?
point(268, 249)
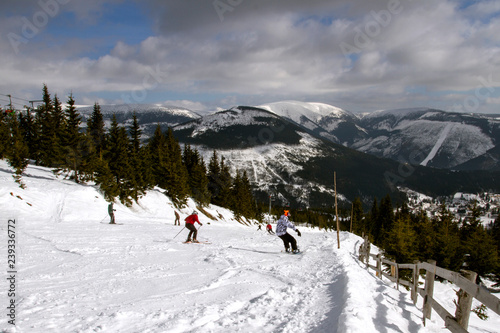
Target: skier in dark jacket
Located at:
point(111, 213)
point(177, 218)
point(190, 220)
point(283, 224)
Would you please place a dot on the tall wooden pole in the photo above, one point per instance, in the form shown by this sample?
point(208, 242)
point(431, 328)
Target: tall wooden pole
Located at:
point(336, 211)
point(352, 211)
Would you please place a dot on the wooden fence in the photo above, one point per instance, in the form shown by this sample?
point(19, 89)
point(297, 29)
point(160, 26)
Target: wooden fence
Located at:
point(466, 281)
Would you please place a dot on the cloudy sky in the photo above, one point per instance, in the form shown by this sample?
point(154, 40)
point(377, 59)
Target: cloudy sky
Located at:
point(205, 54)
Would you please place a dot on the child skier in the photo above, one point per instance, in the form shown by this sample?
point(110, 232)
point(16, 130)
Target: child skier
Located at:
point(270, 229)
point(190, 220)
point(283, 224)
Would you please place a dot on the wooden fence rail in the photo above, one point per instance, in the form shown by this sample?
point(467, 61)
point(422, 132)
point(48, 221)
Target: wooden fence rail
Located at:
point(466, 281)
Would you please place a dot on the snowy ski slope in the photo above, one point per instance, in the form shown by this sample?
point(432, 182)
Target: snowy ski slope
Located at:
point(77, 273)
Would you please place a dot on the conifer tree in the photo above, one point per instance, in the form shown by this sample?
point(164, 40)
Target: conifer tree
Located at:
point(158, 157)
point(426, 238)
point(96, 131)
point(242, 196)
point(358, 221)
point(373, 219)
point(27, 125)
point(44, 130)
point(446, 249)
point(385, 220)
point(58, 124)
point(213, 176)
point(177, 178)
point(106, 181)
point(197, 175)
point(480, 249)
point(482, 255)
point(94, 143)
point(137, 163)
point(118, 161)
point(74, 143)
point(401, 240)
point(495, 232)
point(4, 134)
point(17, 153)
point(224, 182)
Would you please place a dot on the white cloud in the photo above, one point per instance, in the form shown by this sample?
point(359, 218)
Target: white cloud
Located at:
point(279, 49)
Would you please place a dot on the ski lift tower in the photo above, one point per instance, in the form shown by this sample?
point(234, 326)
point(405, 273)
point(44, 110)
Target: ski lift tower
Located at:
point(270, 199)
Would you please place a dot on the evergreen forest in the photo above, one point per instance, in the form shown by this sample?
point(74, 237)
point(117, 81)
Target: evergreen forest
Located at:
point(117, 160)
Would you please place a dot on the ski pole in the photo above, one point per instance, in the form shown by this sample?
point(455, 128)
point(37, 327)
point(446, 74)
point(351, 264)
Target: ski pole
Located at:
point(103, 218)
point(179, 232)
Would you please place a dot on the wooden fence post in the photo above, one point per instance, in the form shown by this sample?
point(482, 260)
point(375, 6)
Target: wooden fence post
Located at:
point(429, 290)
point(464, 303)
point(379, 265)
point(414, 288)
point(368, 249)
point(395, 274)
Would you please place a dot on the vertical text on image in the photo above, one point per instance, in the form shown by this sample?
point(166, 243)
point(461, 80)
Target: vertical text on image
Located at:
point(11, 271)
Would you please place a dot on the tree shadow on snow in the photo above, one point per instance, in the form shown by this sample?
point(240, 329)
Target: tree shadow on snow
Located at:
point(336, 293)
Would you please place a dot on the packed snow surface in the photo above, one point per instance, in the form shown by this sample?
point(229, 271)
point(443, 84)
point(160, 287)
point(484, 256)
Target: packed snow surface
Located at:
point(78, 273)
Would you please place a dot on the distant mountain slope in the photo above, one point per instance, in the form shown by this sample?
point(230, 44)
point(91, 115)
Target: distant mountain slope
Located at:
point(295, 163)
point(423, 136)
point(419, 136)
point(148, 115)
point(429, 137)
point(331, 122)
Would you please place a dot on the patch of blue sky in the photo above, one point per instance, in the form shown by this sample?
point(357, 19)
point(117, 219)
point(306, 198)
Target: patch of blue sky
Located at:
point(486, 17)
point(325, 20)
point(125, 22)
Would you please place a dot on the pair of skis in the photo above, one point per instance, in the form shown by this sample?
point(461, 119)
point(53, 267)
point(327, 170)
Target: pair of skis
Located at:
point(198, 242)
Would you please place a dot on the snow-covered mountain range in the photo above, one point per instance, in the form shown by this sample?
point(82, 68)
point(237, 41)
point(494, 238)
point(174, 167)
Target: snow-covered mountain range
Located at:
point(293, 148)
point(422, 136)
point(297, 163)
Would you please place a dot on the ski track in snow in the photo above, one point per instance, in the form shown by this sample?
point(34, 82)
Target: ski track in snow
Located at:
point(438, 144)
point(76, 274)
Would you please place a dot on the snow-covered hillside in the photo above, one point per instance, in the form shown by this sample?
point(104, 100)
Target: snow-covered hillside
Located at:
point(326, 120)
point(297, 111)
point(77, 273)
point(440, 139)
point(109, 109)
point(426, 136)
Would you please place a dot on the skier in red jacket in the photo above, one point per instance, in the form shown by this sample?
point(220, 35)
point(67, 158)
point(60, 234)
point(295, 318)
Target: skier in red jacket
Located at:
point(270, 229)
point(190, 220)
